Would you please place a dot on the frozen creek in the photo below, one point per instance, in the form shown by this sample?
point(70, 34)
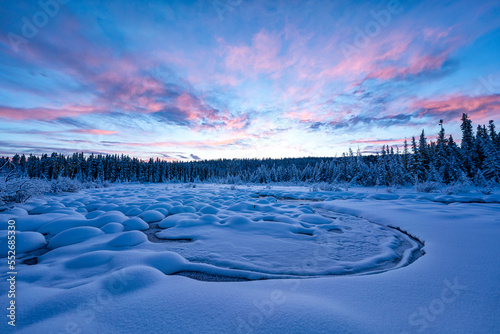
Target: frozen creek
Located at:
point(206, 233)
point(329, 243)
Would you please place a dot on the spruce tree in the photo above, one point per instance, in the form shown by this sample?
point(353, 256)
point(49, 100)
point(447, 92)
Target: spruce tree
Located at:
point(415, 166)
point(468, 146)
point(423, 150)
point(442, 155)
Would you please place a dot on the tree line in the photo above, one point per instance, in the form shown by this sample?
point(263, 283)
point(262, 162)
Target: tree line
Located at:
point(476, 158)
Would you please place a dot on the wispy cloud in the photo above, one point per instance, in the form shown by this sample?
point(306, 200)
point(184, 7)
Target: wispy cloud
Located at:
point(480, 108)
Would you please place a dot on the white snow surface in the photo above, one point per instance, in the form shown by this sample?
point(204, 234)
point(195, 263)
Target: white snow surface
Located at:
point(331, 262)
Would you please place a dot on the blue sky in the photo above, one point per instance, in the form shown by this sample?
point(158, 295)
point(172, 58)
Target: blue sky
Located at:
point(223, 79)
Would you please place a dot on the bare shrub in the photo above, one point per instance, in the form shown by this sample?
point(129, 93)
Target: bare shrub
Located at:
point(428, 187)
point(65, 184)
point(19, 190)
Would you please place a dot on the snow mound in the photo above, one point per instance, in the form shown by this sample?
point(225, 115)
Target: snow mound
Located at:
point(208, 209)
point(160, 206)
point(135, 224)
point(167, 262)
point(133, 212)
point(182, 209)
point(93, 259)
point(111, 228)
point(131, 279)
point(173, 220)
point(163, 211)
point(25, 242)
point(128, 239)
point(94, 214)
point(73, 236)
point(151, 216)
point(43, 209)
point(32, 222)
point(58, 225)
point(108, 207)
point(236, 220)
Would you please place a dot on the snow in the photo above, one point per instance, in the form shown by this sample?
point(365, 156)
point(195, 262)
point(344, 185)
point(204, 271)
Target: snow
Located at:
point(27, 241)
point(128, 239)
point(73, 235)
point(323, 262)
point(58, 225)
point(112, 228)
point(133, 212)
point(181, 209)
point(151, 216)
point(135, 224)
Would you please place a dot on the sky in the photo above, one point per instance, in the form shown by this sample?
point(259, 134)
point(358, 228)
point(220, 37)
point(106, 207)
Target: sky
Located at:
point(216, 79)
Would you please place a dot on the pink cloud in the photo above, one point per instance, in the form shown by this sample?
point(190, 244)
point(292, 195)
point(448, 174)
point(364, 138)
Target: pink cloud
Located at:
point(237, 123)
point(43, 114)
point(94, 132)
point(415, 65)
point(190, 143)
point(304, 116)
point(402, 53)
point(378, 141)
point(261, 57)
point(372, 145)
point(482, 108)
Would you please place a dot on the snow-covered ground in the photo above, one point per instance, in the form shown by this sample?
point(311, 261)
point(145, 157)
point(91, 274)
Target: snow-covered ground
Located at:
point(172, 259)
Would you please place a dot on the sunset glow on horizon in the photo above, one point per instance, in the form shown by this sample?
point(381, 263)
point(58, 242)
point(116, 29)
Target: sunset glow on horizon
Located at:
point(242, 79)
